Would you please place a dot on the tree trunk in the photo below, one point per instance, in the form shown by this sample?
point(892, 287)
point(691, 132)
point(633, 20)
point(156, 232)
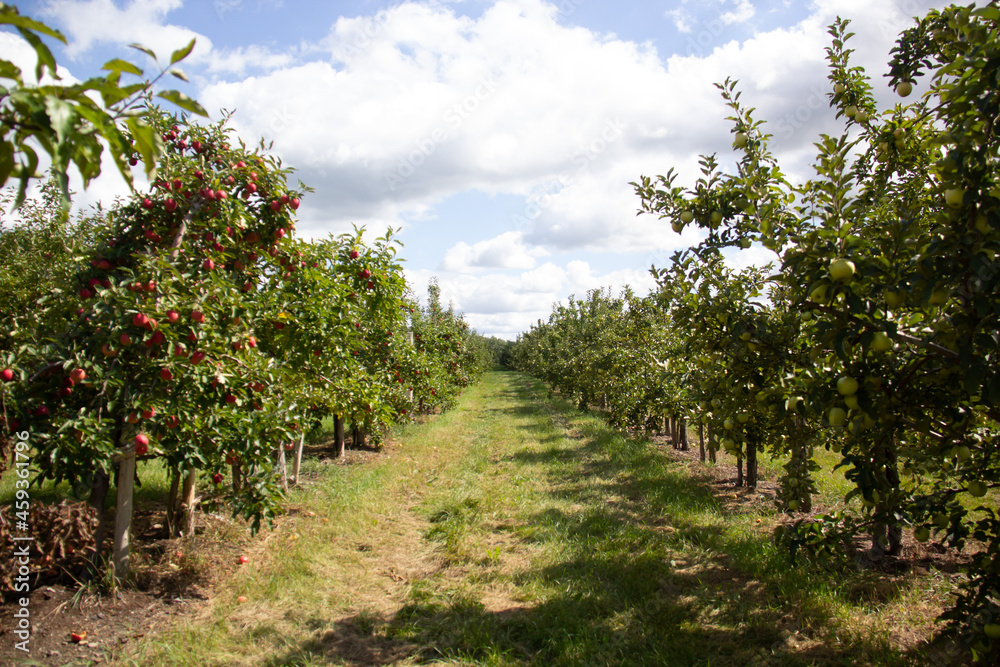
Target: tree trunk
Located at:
point(282, 468)
point(123, 515)
point(338, 435)
point(237, 477)
point(701, 441)
point(751, 480)
point(739, 467)
point(887, 538)
point(683, 433)
point(175, 483)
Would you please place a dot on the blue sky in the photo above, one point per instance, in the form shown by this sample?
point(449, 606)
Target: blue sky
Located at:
point(499, 135)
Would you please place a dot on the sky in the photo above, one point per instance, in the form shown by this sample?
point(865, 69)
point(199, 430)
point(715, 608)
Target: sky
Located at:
point(498, 136)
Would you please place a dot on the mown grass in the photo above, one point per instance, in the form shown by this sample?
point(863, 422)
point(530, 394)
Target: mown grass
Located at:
point(516, 530)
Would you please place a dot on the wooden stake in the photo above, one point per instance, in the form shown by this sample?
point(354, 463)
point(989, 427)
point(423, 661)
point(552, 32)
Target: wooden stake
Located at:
point(297, 462)
point(188, 502)
point(123, 514)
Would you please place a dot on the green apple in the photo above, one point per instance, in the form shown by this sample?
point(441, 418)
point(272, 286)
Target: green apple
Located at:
point(837, 416)
point(841, 269)
point(921, 533)
point(745, 336)
point(852, 402)
point(899, 133)
point(793, 504)
point(716, 403)
point(939, 297)
point(953, 196)
point(861, 116)
point(847, 386)
point(893, 299)
point(716, 217)
point(729, 424)
point(881, 342)
point(687, 216)
point(704, 405)
point(677, 226)
point(982, 224)
point(793, 482)
point(819, 295)
point(977, 489)
point(839, 88)
point(743, 418)
point(792, 403)
point(740, 140)
point(904, 88)
point(851, 111)
point(940, 519)
point(963, 453)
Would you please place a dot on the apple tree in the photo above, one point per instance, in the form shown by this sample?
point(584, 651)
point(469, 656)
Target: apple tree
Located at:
point(888, 256)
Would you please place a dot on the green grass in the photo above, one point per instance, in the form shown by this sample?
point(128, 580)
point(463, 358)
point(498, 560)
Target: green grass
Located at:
point(516, 530)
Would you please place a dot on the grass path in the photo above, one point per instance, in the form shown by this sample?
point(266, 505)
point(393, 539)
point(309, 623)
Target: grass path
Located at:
point(515, 530)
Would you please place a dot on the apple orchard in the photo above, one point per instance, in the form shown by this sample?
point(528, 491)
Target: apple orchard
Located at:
point(874, 338)
point(193, 330)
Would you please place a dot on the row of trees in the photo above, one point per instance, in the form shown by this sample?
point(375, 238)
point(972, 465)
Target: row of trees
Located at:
point(875, 336)
point(188, 326)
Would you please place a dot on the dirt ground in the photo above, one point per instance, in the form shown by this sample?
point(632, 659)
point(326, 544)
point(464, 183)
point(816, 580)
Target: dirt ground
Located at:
point(73, 624)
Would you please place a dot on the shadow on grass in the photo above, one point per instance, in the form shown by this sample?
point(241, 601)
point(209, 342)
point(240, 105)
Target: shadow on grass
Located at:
point(650, 573)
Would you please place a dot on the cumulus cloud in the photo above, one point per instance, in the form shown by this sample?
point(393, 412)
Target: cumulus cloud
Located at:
point(392, 114)
point(506, 251)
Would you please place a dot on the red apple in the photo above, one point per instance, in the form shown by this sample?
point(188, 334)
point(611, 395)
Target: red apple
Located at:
point(364, 274)
point(197, 357)
point(275, 205)
point(208, 264)
point(148, 413)
point(251, 341)
point(242, 559)
point(237, 345)
point(355, 254)
point(294, 203)
point(141, 444)
point(147, 203)
point(197, 316)
point(77, 375)
point(166, 375)
point(230, 399)
point(173, 316)
point(217, 478)
point(140, 320)
point(7, 375)
point(172, 421)
point(279, 233)
point(125, 339)
point(108, 351)
point(85, 293)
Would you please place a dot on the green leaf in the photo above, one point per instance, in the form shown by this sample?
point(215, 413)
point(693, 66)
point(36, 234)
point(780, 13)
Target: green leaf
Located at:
point(62, 117)
point(10, 16)
point(119, 65)
point(45, 57)
point(183, 101)
point(147, 142)
point(182, 53)
point(140, 47)
point(174, 71)
point(6, 161)
point(9, 70)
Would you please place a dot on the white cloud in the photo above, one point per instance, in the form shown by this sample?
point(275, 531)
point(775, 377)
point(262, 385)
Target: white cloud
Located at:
point(742, 12)
point(392, 114)
point(506, 251)
point(90, 23)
